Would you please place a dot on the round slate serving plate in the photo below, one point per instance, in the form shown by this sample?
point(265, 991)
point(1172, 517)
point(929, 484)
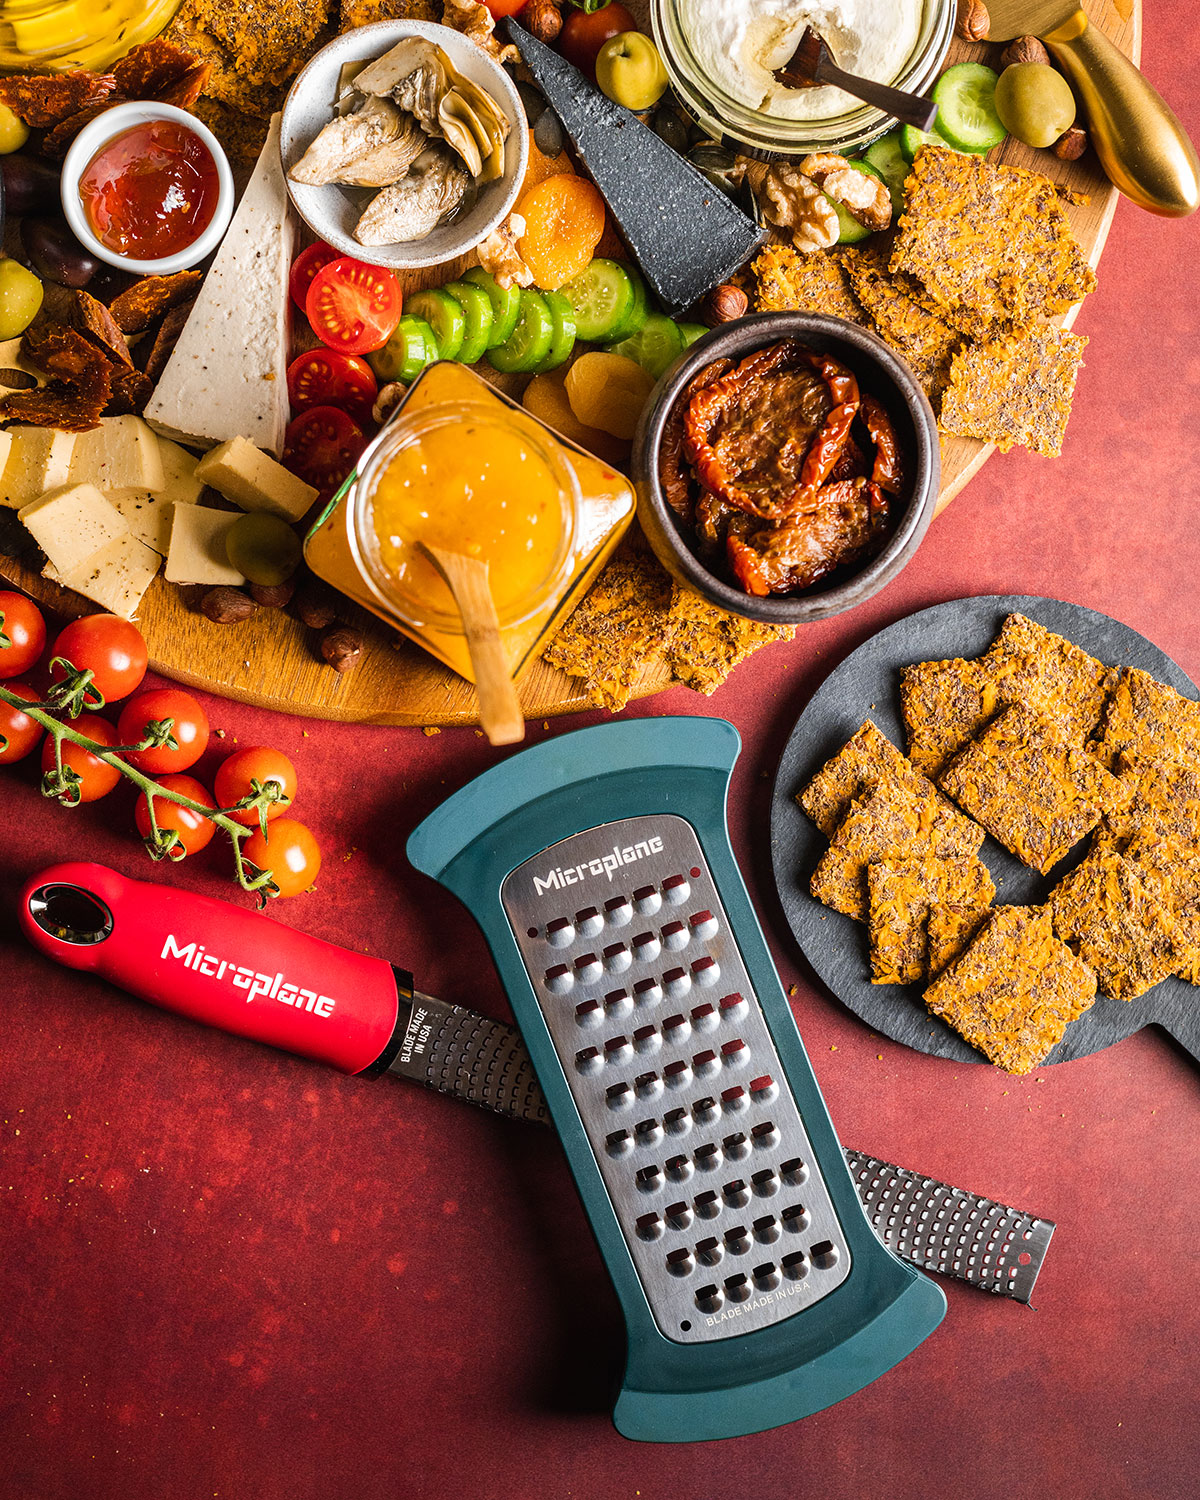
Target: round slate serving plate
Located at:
point(866, 686)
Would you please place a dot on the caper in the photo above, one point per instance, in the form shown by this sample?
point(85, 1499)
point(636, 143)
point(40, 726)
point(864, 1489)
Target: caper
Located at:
point(1034, 103)
point(263, 548)
point(13, 132)
point(21, 296)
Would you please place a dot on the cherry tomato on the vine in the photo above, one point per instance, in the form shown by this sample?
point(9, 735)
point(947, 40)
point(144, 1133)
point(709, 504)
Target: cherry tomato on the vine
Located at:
point(501, 8)
point(22, 633)
point(18, 732)
point(96, 777)
point(289, 851)
point(323, 377)
point(353, 307)
point(195, 831)
point(114, 650)
point(255, 763)
point(305, 267)
point(321, 446)
point(189, 730)
point(585, 32)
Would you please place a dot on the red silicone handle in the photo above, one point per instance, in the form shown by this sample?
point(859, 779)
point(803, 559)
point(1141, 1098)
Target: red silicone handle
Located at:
point(221, 964)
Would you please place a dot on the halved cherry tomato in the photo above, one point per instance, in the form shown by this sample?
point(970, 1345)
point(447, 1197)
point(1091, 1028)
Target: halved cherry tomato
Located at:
point(96, 777)
point(353, 307)
point(289, 851)
point(305, 267)
point(19, 733)
point(114, 650)
point(189, 729)
point(321, 446)
point(584, 33)
point(255, 763)
point(22, 633)
point(195, 831)
point(500, 8)
point(323, 377)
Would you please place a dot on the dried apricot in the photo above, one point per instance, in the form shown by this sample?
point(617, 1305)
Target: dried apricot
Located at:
point(608, 391)
point(546, 398)
point(564, 222)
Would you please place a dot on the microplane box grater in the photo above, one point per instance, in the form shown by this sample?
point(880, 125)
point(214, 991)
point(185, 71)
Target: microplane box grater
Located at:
point(753, 1288)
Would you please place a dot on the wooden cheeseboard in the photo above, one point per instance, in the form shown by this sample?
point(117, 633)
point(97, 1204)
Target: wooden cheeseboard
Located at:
point(271, 660)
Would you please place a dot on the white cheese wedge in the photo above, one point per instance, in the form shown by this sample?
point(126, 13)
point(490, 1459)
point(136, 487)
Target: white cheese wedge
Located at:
point(148, 516)
point(121, 454)
point(253, 480)
point(197, 551)
point(72, 523)
point(39, 459)
point(228, 372)
point(180, 484)
point(116, 576)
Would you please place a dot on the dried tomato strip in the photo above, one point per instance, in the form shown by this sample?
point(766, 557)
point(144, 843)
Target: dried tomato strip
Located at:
point(888, 471)
point(676, 482)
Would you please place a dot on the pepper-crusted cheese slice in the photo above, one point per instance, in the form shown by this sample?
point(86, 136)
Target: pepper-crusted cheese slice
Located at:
point(121, 454)
point(253, 480)
point(71, 523)
point(116, 576)
point(180, 485)
point(228, 372)
point(149, 516)
point(197, 549)
point(39, 459)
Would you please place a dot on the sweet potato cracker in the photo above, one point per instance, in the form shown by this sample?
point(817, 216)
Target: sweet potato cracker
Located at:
point(950, 930)
point(1015, 990)
point(1031, 790)
point(1163, 802)
point(787, 281)
point(922, 337)
point(902, 893)
point(1170, 871)
point(1146, 720)
point(704, 643)
point(268, 42)
point(1117, 926)
point(1014, 391)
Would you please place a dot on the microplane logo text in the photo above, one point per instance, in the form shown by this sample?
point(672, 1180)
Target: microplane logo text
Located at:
point(562, 876)
point(269, 986)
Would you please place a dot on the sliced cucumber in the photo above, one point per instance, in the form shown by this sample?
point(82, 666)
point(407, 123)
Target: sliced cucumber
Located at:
point(691, 332)
point(562, 340)
point(887, 158)
point(602, 299)
point(638, 312)
point(655, 346)
point(477, 317)
point(411, 347)
point(850, 231)
point(529, 343)
point(444, 315)
point(506, 304)
point(912, 139)
point(966, 99)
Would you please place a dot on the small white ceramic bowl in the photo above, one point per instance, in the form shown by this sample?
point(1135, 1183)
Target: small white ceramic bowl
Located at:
point(92, 138)
point(331, 211)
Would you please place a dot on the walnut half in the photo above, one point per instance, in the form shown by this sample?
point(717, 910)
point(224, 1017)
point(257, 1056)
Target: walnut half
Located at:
point(500, 257)
point(792, 201)
point(864, 197)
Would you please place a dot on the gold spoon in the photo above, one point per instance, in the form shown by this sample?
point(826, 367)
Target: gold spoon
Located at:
point(500, 713)
point(812, 64)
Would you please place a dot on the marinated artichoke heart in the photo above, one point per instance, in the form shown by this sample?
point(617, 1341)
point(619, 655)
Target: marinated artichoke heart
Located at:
point(372, 147)
point(411, 208)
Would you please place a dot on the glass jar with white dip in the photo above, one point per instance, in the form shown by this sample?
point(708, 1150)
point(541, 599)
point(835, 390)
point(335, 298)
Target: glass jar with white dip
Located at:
point(719, 55)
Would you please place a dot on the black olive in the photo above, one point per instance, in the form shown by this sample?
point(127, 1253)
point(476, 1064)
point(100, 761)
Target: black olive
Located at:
point(29, 184)
point(54, 252)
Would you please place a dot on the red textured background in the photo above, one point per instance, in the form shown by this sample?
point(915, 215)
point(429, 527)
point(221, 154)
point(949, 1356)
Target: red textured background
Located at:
point(226, 1273)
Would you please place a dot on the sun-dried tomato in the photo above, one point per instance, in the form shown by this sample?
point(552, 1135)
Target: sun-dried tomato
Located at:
point(839, 528)
point(888, 470)
point(678, 484)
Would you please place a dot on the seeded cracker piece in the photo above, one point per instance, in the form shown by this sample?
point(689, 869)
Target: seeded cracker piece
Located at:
point(927, 341)
point(1031, 790)
point(902, 893)
point(705, 643)
point(1147, 721)
point(268, 42)
point(243, 136)
point(1117, 927)
point(950, 931)
point(858, 767)
point(616, 630)
point(1015, 390)
point(1015, 990)
point(942, 704)
point(1171, 873)
point(888, 822)
point(1164, 803)
point(224, 85)
point(988, 241)
point(365, 12)
point(787, 281)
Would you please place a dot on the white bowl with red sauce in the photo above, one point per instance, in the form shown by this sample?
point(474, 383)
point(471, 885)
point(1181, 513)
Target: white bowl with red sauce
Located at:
point(147, 187)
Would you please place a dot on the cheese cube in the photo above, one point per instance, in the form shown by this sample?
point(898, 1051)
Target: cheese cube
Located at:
point(120, 454)
point(180, 484)
point(71, 523)
point(116, 576)
point(197, 551)
point(39, 459)
point(149, 516)
point(253, 480)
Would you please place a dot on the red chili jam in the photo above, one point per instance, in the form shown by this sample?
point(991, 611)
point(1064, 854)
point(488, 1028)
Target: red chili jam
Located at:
point(151, 191)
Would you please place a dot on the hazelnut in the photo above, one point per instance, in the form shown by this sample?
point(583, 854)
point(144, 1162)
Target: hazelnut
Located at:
point(273, 595)
point(724, 304)
point(227, 606)
point(973, 22)
point(1071, 145)
point(544, 19)
point(316, 604)
point(1024, 49)
point(341, 646)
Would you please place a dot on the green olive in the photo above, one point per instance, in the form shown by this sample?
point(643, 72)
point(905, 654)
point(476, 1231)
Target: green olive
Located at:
point(1034, 103)
point(21, 295)
point(263, 548)
point(13, 132)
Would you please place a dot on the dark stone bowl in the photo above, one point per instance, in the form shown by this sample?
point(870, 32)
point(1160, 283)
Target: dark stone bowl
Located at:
point(880, 371)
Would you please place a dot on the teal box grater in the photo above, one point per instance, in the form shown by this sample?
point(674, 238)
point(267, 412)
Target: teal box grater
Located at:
point(754, 1290)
